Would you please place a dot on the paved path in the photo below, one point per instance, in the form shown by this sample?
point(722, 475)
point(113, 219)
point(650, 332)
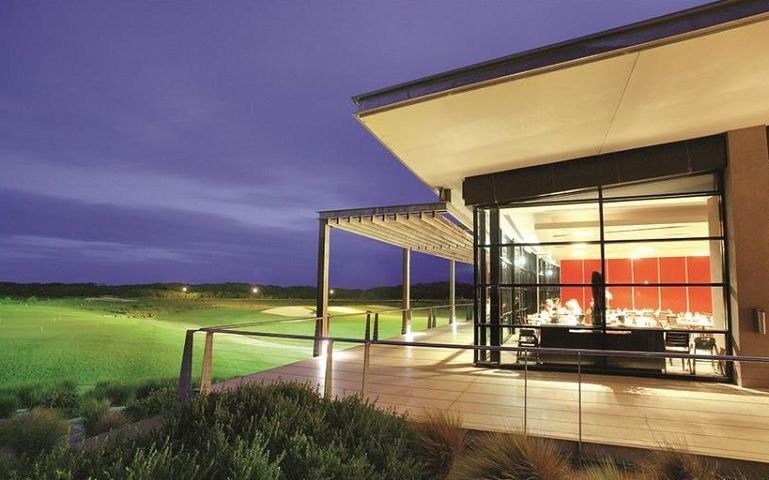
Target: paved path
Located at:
point(706, 418)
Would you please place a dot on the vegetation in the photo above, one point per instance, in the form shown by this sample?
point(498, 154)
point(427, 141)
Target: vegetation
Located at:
point(95, 342)
point(442, 440)
point(514, 457)
point(286, 431)
point(32, 433)
point(274, 432)
point(9, 403)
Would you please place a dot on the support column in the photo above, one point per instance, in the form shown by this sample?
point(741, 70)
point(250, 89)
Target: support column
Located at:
point(406, 305)
point(747, 227)
point(494, 301)
point(321, 305)
point(453, 291)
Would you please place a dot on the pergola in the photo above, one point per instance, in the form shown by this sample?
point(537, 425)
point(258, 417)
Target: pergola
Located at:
point(435, 229)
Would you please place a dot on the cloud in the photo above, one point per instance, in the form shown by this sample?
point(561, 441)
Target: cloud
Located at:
point(33, 246)
point(284, 207)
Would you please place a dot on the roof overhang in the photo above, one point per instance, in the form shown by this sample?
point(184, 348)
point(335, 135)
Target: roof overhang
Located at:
point(424, 228)
point(688, 75)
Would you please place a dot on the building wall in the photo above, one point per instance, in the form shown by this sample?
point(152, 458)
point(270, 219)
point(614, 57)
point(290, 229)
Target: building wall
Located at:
point(747, 227)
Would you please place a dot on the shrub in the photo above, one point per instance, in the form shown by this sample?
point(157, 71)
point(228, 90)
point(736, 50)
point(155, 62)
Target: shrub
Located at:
point(146, 388)
point(275, 432)
point(116, 393)
point(110, 420)
point(440, 439)
point(34, 432)
point(159, 401)
point(30, 395)
point(513, 457)
point(607, 469)
point(674, 464)
point(62, 396)
point(91, 412)
point(9, 403)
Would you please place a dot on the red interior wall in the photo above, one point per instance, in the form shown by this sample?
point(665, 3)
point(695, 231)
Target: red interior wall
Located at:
point(571, 272)
point(673, 270)
point(651, 270)
point(620, 270)
point(698, 271)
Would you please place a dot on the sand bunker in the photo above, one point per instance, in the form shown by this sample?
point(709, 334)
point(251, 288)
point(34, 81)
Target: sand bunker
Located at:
point(345, 310)
point(298, 312)
point(291, 311)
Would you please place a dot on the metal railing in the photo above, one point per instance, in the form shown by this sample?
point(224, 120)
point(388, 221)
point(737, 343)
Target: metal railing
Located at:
point(371, 338)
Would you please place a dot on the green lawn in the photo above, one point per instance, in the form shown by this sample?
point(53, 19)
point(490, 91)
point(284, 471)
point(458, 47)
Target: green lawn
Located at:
point(92, 341)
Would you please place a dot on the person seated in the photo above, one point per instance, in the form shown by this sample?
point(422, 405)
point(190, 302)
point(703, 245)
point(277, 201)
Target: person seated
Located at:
point(573, 308)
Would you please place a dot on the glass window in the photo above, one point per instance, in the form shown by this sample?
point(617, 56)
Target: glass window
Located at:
point(653, 250)
point(678, 217)
point(563, 222)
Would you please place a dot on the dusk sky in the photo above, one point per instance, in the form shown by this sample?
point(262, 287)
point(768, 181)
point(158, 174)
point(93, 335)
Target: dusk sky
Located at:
point(195, 141)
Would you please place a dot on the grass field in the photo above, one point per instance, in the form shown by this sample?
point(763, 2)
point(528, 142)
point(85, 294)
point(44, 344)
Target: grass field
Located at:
point(90, 341)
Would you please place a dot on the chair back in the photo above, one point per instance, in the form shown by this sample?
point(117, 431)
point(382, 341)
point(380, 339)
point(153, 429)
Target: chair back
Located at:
point(677, 339)
point(704, 343)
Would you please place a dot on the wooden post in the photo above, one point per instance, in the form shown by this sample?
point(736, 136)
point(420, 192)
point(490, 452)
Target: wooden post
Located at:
point(376, 327)
point(452, 291)
point(205, 374)
point(185, 374)
point(329, 381)
point(406, 306)
point(321, 310)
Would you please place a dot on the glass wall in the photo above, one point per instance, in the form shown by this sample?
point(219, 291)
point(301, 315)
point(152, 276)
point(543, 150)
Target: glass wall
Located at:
point(626, 267)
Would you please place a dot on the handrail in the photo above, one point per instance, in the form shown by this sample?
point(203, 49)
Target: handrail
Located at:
point(500, 348)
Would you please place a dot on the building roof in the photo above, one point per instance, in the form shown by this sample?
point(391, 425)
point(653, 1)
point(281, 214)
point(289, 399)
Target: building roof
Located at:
point(623, 39)
point(693, 74)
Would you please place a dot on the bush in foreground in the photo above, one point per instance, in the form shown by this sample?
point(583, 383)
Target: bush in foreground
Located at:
point(32, 433)
point(441, 440)
point(272, 432)
point(512, 457)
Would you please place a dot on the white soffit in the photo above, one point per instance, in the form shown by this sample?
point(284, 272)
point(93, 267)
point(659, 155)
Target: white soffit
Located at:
point(698, 86)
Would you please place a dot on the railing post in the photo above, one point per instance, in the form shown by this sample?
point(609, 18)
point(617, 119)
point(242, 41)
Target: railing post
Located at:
point(467, 313)
point(185, 374)
point(435, 319)
point(376, 326)
point(366, 358)
point(205, 374)
point(525, 391)
point(367, 332)
point(579, 403)
point(429, 319)
point(329, 380)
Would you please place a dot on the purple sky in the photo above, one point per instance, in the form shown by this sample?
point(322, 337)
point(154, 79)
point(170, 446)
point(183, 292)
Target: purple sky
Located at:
point(195, 141)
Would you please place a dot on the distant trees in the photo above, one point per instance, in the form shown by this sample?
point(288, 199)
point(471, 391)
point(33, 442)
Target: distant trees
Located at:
point(432, 291)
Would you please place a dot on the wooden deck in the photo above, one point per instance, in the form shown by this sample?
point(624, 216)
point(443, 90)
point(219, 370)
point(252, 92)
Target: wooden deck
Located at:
point(706, 418)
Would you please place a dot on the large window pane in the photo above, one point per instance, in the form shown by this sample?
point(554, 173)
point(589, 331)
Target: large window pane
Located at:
point(687, 217)
point(574, 222)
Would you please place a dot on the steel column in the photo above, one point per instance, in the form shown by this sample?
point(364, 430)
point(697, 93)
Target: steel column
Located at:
point(406, 321)
point(185, 374)
point(452, 290)
point(321, 304)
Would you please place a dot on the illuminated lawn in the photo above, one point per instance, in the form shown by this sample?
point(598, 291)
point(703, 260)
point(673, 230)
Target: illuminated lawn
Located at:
point(92, 341)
